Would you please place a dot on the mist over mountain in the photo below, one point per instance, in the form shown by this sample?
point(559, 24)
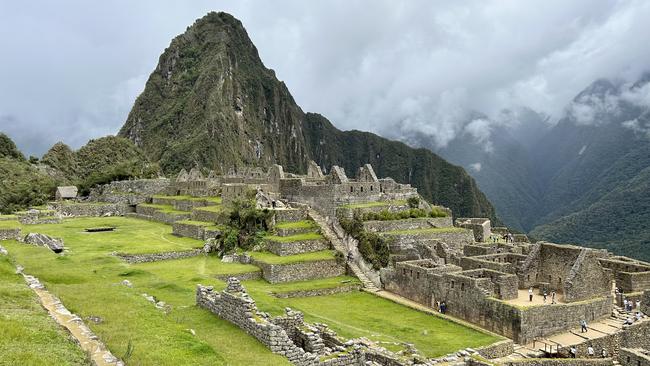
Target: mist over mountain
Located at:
point(581, 180)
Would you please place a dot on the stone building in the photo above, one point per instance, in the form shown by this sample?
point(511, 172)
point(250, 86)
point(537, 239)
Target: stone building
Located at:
point(65, 193)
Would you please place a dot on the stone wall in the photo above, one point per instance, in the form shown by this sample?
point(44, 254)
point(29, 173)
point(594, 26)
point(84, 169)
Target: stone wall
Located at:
point(481, 227)
point(634, 357)
point(296, 247)
point(246, 276)
point(318, 292)
point(275, 273)
point(206, 216)
point(198, 232)
point(97, 209)
point(129, 192)
point(545, 320)
point(505, 262)
point(154, 257)
point(288, 335)
point(645, 302)
point(573, 271)
point(496, 350)
point(10, 234)
point(407, 224)
point(290, 215)
point(636, 335)
point(560, 362)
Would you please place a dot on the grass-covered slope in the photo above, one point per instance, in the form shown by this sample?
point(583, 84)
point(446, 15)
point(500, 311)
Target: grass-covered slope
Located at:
point(211, 102)
point(28, 335)
point(88, 279)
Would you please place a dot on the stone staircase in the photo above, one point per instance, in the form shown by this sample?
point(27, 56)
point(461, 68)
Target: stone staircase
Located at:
point(337, 240)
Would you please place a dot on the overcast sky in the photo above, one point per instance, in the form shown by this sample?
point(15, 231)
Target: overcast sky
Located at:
point(70, 70)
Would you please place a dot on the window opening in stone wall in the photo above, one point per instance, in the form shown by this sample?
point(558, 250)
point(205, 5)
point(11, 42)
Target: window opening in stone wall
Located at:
point(370, 188)
point(462, 286)
point(361, 189)
point(452, 284)
point(351, 189)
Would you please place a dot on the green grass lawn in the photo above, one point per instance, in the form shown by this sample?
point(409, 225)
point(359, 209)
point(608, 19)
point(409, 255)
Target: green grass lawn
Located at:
point(303, 224)
point(357, 314)
point(294, 238)
point(426, 231)
point(88, 280)
point(375, 204)
point(28, 336)
point(271, 258)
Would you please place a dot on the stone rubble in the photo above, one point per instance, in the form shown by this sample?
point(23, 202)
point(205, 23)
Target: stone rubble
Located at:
point(54, 244)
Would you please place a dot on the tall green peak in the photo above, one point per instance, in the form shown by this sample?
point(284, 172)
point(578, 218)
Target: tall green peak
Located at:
point(211, 102)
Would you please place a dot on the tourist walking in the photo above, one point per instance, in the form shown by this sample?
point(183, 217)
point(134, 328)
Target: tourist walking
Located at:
point(603, 353)
point(573, 351)
point(583, 326)
point(544, 296)
point(553, 297)
point(638, 305)
point(530, 294)
point(590, 351)
point(625, 304)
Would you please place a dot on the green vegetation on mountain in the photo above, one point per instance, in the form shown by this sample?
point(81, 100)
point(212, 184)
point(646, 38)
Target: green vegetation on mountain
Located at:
point(211, 102)
point(100, 161)
point(8, 148)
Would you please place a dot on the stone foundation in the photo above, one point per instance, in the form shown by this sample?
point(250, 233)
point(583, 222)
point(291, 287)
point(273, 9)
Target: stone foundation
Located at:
point(301, 271)
point(154, 257)
point(91, 209)
point(318, 292)
point(10, 234)
point(407, 224)
point(296, 247)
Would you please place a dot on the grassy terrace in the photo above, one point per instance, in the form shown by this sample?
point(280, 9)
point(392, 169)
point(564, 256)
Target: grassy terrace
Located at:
point(163, 208)
point(213, 208)
point(426, 231)
point(303, 224)
point(28, 333)
point(205, 224)
point(295, 238)
point(88, 280)
point(271, 258)
point(216, 200)
point(375, 204)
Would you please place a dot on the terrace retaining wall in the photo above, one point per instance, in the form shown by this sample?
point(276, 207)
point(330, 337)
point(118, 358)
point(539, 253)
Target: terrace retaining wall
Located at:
point(275, 273)
point(154, 257)
point(296, 247)
point(10, 234)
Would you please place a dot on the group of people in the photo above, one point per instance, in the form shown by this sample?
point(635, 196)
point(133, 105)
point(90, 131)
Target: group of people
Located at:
point(590, 352)
point(544, 295)
point(442, 307)
point(508, 238)
point(629, 306)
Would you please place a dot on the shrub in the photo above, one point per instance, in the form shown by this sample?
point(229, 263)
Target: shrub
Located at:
point(413, 202)
point(373, 247)
point(246, 225)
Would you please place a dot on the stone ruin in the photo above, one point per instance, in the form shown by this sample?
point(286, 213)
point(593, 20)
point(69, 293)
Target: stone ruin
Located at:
point(288, 335)
point(42, 240)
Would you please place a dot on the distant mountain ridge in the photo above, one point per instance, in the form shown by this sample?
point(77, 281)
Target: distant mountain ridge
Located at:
point(212, 103)
point(583, 180)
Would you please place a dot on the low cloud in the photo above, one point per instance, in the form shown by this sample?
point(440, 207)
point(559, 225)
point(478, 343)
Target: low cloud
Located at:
point(71, 72)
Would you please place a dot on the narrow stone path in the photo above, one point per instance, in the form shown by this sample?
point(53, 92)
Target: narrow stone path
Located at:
point(339, 246)
point(88, 341)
